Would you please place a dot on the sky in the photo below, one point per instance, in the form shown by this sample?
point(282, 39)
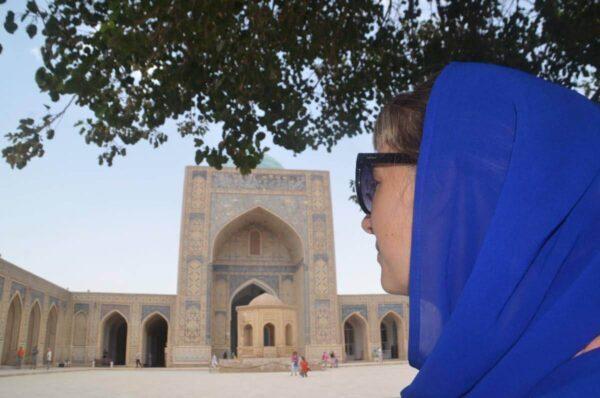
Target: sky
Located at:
point(116, 229)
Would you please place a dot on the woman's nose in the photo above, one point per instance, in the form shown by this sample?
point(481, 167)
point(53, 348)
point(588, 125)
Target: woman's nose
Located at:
point(366, 225)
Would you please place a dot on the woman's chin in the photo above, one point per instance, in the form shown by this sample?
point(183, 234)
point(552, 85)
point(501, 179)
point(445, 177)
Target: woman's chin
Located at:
point(392, 286)
point(388, 285)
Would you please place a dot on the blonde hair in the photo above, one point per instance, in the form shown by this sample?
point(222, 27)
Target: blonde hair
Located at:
point(400, 123)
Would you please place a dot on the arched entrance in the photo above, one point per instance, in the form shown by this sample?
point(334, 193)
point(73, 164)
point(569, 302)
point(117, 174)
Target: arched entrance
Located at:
point(33, 332)
point(255, 236)
point(391, 336)
point(248, 336)
point(269, 335)
point(11, 332)
point(114, 339)
point(355, 338)
point(243, 297)
point(51, 326)
point(156, 331)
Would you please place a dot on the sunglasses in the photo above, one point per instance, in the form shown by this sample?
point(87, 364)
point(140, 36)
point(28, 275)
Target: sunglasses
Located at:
point(365, 182)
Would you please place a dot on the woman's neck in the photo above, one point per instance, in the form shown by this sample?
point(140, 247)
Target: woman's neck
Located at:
point(592, 346)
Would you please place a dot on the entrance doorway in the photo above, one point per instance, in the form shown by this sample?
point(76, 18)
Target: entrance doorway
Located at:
point(114, 340)
point(269, 335)
point(243, 297)
point(156, 331)
point(355, 338)
point(390, 342)
point(51, 324)
point(11, 332)
point(33, 333)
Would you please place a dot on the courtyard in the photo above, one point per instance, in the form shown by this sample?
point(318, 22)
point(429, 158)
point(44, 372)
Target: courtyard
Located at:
point(363, 381)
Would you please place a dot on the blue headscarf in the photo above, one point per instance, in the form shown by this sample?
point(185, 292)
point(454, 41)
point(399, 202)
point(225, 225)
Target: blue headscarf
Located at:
point(505, 261)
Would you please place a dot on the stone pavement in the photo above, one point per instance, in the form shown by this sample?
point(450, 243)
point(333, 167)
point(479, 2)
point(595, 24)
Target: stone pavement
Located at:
point(7, 371)
point(350, 381)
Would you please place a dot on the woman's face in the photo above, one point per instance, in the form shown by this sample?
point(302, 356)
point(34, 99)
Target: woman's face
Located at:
point(391, 223)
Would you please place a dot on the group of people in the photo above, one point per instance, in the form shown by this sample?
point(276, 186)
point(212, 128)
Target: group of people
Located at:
point(299, 365)
point(329, 360)
point(33, 357)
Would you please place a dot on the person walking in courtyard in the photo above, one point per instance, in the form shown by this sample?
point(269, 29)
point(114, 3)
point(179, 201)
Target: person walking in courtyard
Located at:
point(304, 369)
point(138, 360)
point(48, 358)
point(294, 364)
point(483, 199)
point(334, 360)
point(324, 359)
point(34, 354)
point(20, 356)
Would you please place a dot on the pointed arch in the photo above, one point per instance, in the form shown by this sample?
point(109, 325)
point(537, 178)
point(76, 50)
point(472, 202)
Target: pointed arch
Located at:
point(114, 334)
point(242, 296)
point(12, 329)
point(152, 314)
point(358, 315)
point(33, 332)
point(53, 306)
point(17, 294)
point(51, 331)
point(249, 282)
point(155, 332)
point(248, 339)
point(355, 334)
point(269, 335)
point(391, 326)
point(259, 215)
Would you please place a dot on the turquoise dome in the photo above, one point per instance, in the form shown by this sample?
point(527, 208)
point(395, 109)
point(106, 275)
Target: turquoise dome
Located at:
point(268, 162)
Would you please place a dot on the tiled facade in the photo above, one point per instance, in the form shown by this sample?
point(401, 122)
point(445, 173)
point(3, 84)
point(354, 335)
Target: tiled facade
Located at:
point(289, 210)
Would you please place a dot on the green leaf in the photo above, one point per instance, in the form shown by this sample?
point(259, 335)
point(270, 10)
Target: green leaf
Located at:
point(9, 23)
point(31, 30)
point(32, 6)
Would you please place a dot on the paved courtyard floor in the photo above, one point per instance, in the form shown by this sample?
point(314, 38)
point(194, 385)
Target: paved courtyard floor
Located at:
point(347, 382)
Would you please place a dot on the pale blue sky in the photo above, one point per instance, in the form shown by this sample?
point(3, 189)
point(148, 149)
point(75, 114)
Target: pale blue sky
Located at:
point(85, 226)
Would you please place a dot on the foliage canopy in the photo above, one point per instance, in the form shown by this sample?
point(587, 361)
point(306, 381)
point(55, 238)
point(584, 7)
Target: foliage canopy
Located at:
point(306, 72)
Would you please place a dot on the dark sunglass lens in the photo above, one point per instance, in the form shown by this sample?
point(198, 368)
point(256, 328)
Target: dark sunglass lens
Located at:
point(368, 185)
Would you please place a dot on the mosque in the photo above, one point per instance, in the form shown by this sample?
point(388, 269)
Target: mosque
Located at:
point(256, 277)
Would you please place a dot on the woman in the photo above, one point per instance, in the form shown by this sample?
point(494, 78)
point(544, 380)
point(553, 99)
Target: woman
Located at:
point(486, 211)
point(304, 368)
point(294, 364)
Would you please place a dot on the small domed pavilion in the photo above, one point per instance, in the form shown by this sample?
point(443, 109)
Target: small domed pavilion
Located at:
point(267, 327)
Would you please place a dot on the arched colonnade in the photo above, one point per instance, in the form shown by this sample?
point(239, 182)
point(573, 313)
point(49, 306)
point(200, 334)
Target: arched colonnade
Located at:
point(31, 328)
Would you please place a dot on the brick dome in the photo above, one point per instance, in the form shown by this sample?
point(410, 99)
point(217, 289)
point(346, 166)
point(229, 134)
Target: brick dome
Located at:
point(265, 299)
